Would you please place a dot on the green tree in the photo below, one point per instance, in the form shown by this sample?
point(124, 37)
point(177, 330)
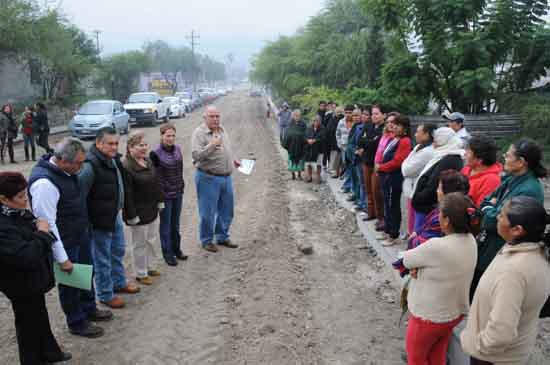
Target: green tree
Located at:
point(16, 27)
point(62, 55)
point(470, 52)
point(120, 73)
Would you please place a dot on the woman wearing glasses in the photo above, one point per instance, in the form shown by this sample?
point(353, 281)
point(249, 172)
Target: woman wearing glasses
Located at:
point(523, 167)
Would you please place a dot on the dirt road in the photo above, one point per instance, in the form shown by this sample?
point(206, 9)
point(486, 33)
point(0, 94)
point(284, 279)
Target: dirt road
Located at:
point(265, 303)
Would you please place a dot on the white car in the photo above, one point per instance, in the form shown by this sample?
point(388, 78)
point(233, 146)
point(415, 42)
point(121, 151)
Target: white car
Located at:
point(177, 110)
point(147, 108)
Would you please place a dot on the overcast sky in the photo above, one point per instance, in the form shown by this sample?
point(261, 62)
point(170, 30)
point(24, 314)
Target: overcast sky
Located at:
point(224, 26)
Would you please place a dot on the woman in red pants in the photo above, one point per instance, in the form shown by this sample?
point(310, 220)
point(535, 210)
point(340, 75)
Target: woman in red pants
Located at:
point(442, 269)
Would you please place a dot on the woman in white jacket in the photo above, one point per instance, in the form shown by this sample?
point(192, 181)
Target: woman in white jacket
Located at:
point(411, 168)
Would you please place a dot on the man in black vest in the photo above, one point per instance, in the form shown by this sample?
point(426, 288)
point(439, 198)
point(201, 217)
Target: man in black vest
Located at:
point(57, 197)
point(103, 185)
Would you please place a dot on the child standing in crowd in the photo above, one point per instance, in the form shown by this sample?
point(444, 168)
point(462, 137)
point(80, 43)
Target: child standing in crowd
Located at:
point(414, 164)
point(438, 293)
point(391, 177)
point(502, 325)
point(315, 144)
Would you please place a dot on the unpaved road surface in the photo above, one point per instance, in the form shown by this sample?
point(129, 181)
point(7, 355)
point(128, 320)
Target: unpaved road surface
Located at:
point(264, 303)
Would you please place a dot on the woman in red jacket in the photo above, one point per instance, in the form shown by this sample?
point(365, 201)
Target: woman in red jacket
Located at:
point(482, 169)
point(391, 178)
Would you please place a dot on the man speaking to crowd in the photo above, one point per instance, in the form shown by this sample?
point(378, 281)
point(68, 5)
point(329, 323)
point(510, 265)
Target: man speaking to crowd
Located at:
point(213, 158)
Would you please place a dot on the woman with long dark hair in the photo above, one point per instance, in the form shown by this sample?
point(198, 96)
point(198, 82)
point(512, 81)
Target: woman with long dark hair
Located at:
point(41, 127)
point(391, 178)
point(10, 133)
point(502, 324)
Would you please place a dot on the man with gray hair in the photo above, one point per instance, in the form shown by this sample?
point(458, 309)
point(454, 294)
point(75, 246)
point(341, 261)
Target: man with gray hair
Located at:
point(57, 197)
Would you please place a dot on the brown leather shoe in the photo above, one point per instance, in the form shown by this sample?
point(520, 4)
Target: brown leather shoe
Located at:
point(154, 273)
point(130, 288)
point(210, 247)
point(115, 303)
point(228, 243)
point(145, 281)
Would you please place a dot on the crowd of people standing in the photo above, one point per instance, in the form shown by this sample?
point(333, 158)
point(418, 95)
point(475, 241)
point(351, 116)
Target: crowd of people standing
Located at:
point(473, 230)
point(72, 210)
point(32, 123)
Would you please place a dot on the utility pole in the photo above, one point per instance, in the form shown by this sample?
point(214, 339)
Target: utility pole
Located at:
point(97, 33)
point(192, 38)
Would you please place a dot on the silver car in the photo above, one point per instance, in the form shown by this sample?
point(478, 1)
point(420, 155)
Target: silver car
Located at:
point(97, 114)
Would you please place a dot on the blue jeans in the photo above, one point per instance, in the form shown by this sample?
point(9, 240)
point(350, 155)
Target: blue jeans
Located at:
point(78, 303)
point(108, 254)
point(169, 227)
point(360, 189)
point(215, 198)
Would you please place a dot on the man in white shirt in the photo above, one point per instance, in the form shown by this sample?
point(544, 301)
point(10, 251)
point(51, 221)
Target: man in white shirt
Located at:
point(455, 121)
point(56, 196)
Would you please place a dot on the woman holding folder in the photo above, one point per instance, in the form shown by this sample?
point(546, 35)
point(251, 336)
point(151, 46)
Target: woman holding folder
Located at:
point(26, 272)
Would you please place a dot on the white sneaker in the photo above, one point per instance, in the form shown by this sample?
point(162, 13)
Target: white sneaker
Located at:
point(380, 236)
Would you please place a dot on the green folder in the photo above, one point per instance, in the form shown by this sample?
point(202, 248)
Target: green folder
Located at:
point(80, 277)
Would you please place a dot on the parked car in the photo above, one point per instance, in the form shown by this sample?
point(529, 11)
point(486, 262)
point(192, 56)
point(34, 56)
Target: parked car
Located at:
point(147, 108)
point(186, 104)
point(97, 114)
point(177, 109)
point(255, 93)
point(191, 99)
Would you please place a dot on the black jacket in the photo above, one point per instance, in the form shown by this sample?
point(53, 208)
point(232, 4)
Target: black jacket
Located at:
point(312, 151)
point(368, 141)
point(103, 198)
point(425, 196)
point(40, 122)
point(26, 266)
point(142, 192)
point(330, 137)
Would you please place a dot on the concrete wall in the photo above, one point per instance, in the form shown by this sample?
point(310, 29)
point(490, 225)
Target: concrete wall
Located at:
point(15, 83)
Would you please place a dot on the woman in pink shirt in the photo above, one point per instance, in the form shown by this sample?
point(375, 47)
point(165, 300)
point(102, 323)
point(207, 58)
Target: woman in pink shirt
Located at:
point(387, 137)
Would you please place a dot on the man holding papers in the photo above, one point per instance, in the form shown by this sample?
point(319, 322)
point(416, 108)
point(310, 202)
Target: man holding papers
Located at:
point(56, 197)
point(213, 158)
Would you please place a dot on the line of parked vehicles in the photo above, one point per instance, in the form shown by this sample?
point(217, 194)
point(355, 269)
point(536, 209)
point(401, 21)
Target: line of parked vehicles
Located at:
point(143, 108)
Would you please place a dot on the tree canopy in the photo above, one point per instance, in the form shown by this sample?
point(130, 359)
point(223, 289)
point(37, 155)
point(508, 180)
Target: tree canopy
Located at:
point(464, 55)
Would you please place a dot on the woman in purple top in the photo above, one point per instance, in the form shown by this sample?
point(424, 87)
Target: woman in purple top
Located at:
point(168, 161)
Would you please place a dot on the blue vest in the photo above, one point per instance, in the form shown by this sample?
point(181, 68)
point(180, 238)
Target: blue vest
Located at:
point(72, 217)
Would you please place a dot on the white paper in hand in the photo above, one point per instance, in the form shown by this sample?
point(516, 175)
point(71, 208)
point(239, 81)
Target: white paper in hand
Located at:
point(246, 166)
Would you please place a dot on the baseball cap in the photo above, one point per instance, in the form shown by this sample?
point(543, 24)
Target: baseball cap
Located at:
point(455, 117)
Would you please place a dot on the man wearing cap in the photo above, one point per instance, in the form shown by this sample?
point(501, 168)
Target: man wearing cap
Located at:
point(455, 121)
point(285, 117)
point(213, 158)
point(56, 196)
